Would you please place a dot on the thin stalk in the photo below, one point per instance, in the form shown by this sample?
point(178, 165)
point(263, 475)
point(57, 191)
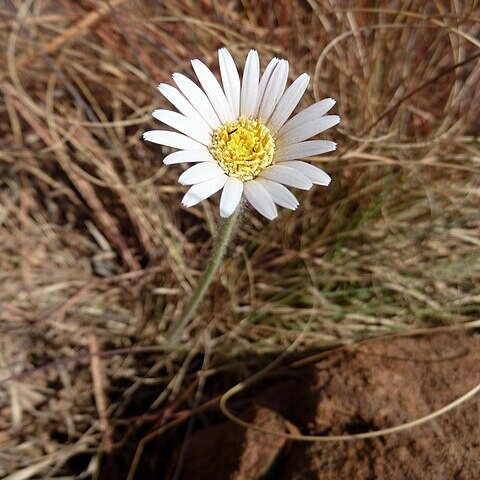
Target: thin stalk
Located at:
point(218, 250)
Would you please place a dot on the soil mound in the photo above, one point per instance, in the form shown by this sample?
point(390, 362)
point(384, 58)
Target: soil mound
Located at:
point(372, 386)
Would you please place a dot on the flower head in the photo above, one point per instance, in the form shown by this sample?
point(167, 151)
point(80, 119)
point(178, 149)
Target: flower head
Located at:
point(240, 136)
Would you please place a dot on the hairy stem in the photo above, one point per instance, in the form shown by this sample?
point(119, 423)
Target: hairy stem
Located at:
point(218, 250)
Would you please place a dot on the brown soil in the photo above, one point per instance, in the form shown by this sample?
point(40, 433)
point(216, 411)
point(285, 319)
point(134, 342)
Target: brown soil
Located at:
point(373, 386)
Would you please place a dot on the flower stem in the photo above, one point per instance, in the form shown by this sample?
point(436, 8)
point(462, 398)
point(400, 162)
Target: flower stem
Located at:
point(218, 250)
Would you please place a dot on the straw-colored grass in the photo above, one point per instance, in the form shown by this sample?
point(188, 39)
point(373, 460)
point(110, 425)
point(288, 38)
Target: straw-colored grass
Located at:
point(97, 254)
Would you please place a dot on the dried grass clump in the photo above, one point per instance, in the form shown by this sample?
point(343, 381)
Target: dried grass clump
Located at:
point(96, 253)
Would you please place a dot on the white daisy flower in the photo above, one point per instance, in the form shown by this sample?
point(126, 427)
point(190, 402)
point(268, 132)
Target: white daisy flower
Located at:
point(240, 136)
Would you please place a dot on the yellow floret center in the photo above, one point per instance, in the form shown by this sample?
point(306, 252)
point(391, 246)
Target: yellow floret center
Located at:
point(243, 148)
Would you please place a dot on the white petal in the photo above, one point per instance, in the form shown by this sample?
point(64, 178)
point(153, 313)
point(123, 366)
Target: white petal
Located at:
point(264, 81)
point(213, 90)
point(310, 116)
point(260, 199)
point(230, 81)
point(309, 129)
point(249, 93)
point(273, 91)
point(281, 195)
point(197, 98)
point(304, 149)
point(231, 195)
point(201, 191)
point(287, 175)
point(188, 156)
point(172, 139)
point(182, 104)
point(315, 174)
point(287, 103)
point(201, 172)
point(184, 124)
